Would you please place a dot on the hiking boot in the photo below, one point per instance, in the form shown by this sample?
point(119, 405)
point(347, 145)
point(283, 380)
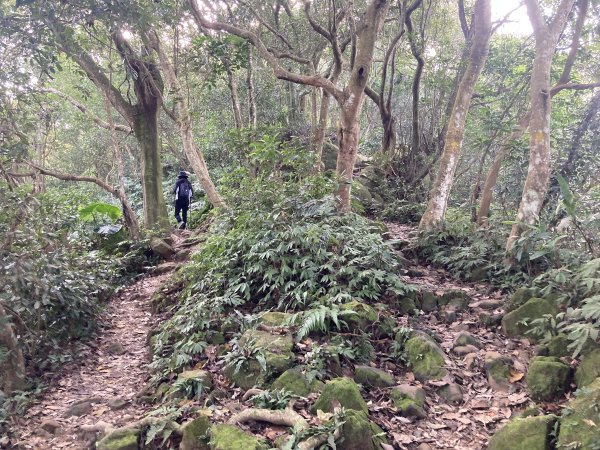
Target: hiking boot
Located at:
point(182, 225)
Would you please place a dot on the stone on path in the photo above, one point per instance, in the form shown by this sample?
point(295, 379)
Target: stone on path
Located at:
point(531, 433)
point(343, 390)
point(547, 378)
point(370, 376)
point(589, 369)
point(425, 358)
point(498, 369)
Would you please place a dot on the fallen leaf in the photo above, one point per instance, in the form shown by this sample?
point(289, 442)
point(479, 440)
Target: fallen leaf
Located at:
point(590, 423)
point(515, 376)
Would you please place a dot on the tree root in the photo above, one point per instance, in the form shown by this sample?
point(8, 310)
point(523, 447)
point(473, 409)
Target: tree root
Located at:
point(287, 417)
point(251, 393)
point(317, 441)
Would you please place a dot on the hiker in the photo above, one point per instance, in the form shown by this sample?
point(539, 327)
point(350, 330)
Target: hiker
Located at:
point(183, 198)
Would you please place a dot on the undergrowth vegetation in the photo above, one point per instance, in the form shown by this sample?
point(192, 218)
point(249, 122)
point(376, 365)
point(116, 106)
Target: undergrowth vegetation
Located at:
point(283, 246)
point(55, 274)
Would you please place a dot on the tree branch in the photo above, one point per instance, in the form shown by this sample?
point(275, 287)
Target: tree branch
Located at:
point(272, 61)
point(101, 123)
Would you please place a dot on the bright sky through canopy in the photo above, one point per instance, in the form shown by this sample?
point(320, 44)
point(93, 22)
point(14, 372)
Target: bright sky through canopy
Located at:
point(518, 22)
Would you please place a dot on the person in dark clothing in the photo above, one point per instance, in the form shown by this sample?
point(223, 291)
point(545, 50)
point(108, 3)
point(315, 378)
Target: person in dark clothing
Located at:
point(183, 198)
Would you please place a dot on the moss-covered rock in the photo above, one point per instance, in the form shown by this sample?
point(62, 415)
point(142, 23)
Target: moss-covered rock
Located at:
point(407, 306)
point(465, 338)
point(359, 433)
point(410, 400)
point(275, 318)
point(557, 346)
point(458, 299)
point(516, 323)
point(294, 381)
point(589, 369)
point(498, 367)
point(547, 378)
point(195, 434)
point(425, 358)
point(429, 301)
point(364, 316)
point(277, 350)
point(519, 298)
point(161, 247)
point(345, 391)
point(580, 423)
point(370, 376)
point(229, 437)
point(120, 439)
point(531, 433)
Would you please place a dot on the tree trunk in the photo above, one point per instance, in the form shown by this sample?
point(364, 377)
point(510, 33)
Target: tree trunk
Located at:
point(538, 174)
point(353, 97)
point(184, 120)
point(348, 135)
point(494, 171)
point(416, 90)
point(13, 366)
point(250, 88)
point(145, 128)
point(235, 101)
point(438, 197)
point(319, 136)
point(129, 216)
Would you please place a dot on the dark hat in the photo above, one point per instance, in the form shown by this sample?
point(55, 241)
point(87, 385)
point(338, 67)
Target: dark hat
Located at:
point(182, 174)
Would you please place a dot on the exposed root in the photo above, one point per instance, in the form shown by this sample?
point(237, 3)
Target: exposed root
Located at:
point(287, 417)
point(251, 393)
point(317, 441)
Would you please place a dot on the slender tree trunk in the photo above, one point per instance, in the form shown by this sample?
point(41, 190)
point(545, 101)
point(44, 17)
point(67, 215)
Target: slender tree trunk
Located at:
point(184, 120)
point(13, 367)
point(494, 171)
point(538, 174)
point(319, 136)
point(250, 88)
point(348, 136)
point(438, 197)
point(416, 92)
point(129, 216)
point(235, 101)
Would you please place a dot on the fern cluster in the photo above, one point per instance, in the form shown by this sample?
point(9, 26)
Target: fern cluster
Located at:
point(299, 256)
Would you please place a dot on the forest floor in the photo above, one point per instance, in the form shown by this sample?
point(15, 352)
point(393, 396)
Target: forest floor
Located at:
point(101, 390)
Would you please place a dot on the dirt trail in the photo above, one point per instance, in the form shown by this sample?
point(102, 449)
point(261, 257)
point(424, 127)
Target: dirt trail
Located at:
point(101, 388)
point(468, 422)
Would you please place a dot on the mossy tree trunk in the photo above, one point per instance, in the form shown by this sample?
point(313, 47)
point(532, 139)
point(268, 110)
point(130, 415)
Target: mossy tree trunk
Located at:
point(538, 174)
point(438, 196)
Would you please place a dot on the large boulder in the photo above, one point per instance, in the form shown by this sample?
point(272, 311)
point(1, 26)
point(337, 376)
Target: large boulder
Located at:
point(370, 376)
point(229, 437)
point(345, 391)
point(580, 428)
point(530, 433)
point(425, 358)
point(547, 378)
point(277, 351)
point(359, 433)
point(195, 434)
point(589, 369)
point(120, 439)
point(294, 381)
point(517, 323)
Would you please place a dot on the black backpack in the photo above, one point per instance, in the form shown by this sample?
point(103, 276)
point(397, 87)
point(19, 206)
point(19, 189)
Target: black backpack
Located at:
point(185, 190)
